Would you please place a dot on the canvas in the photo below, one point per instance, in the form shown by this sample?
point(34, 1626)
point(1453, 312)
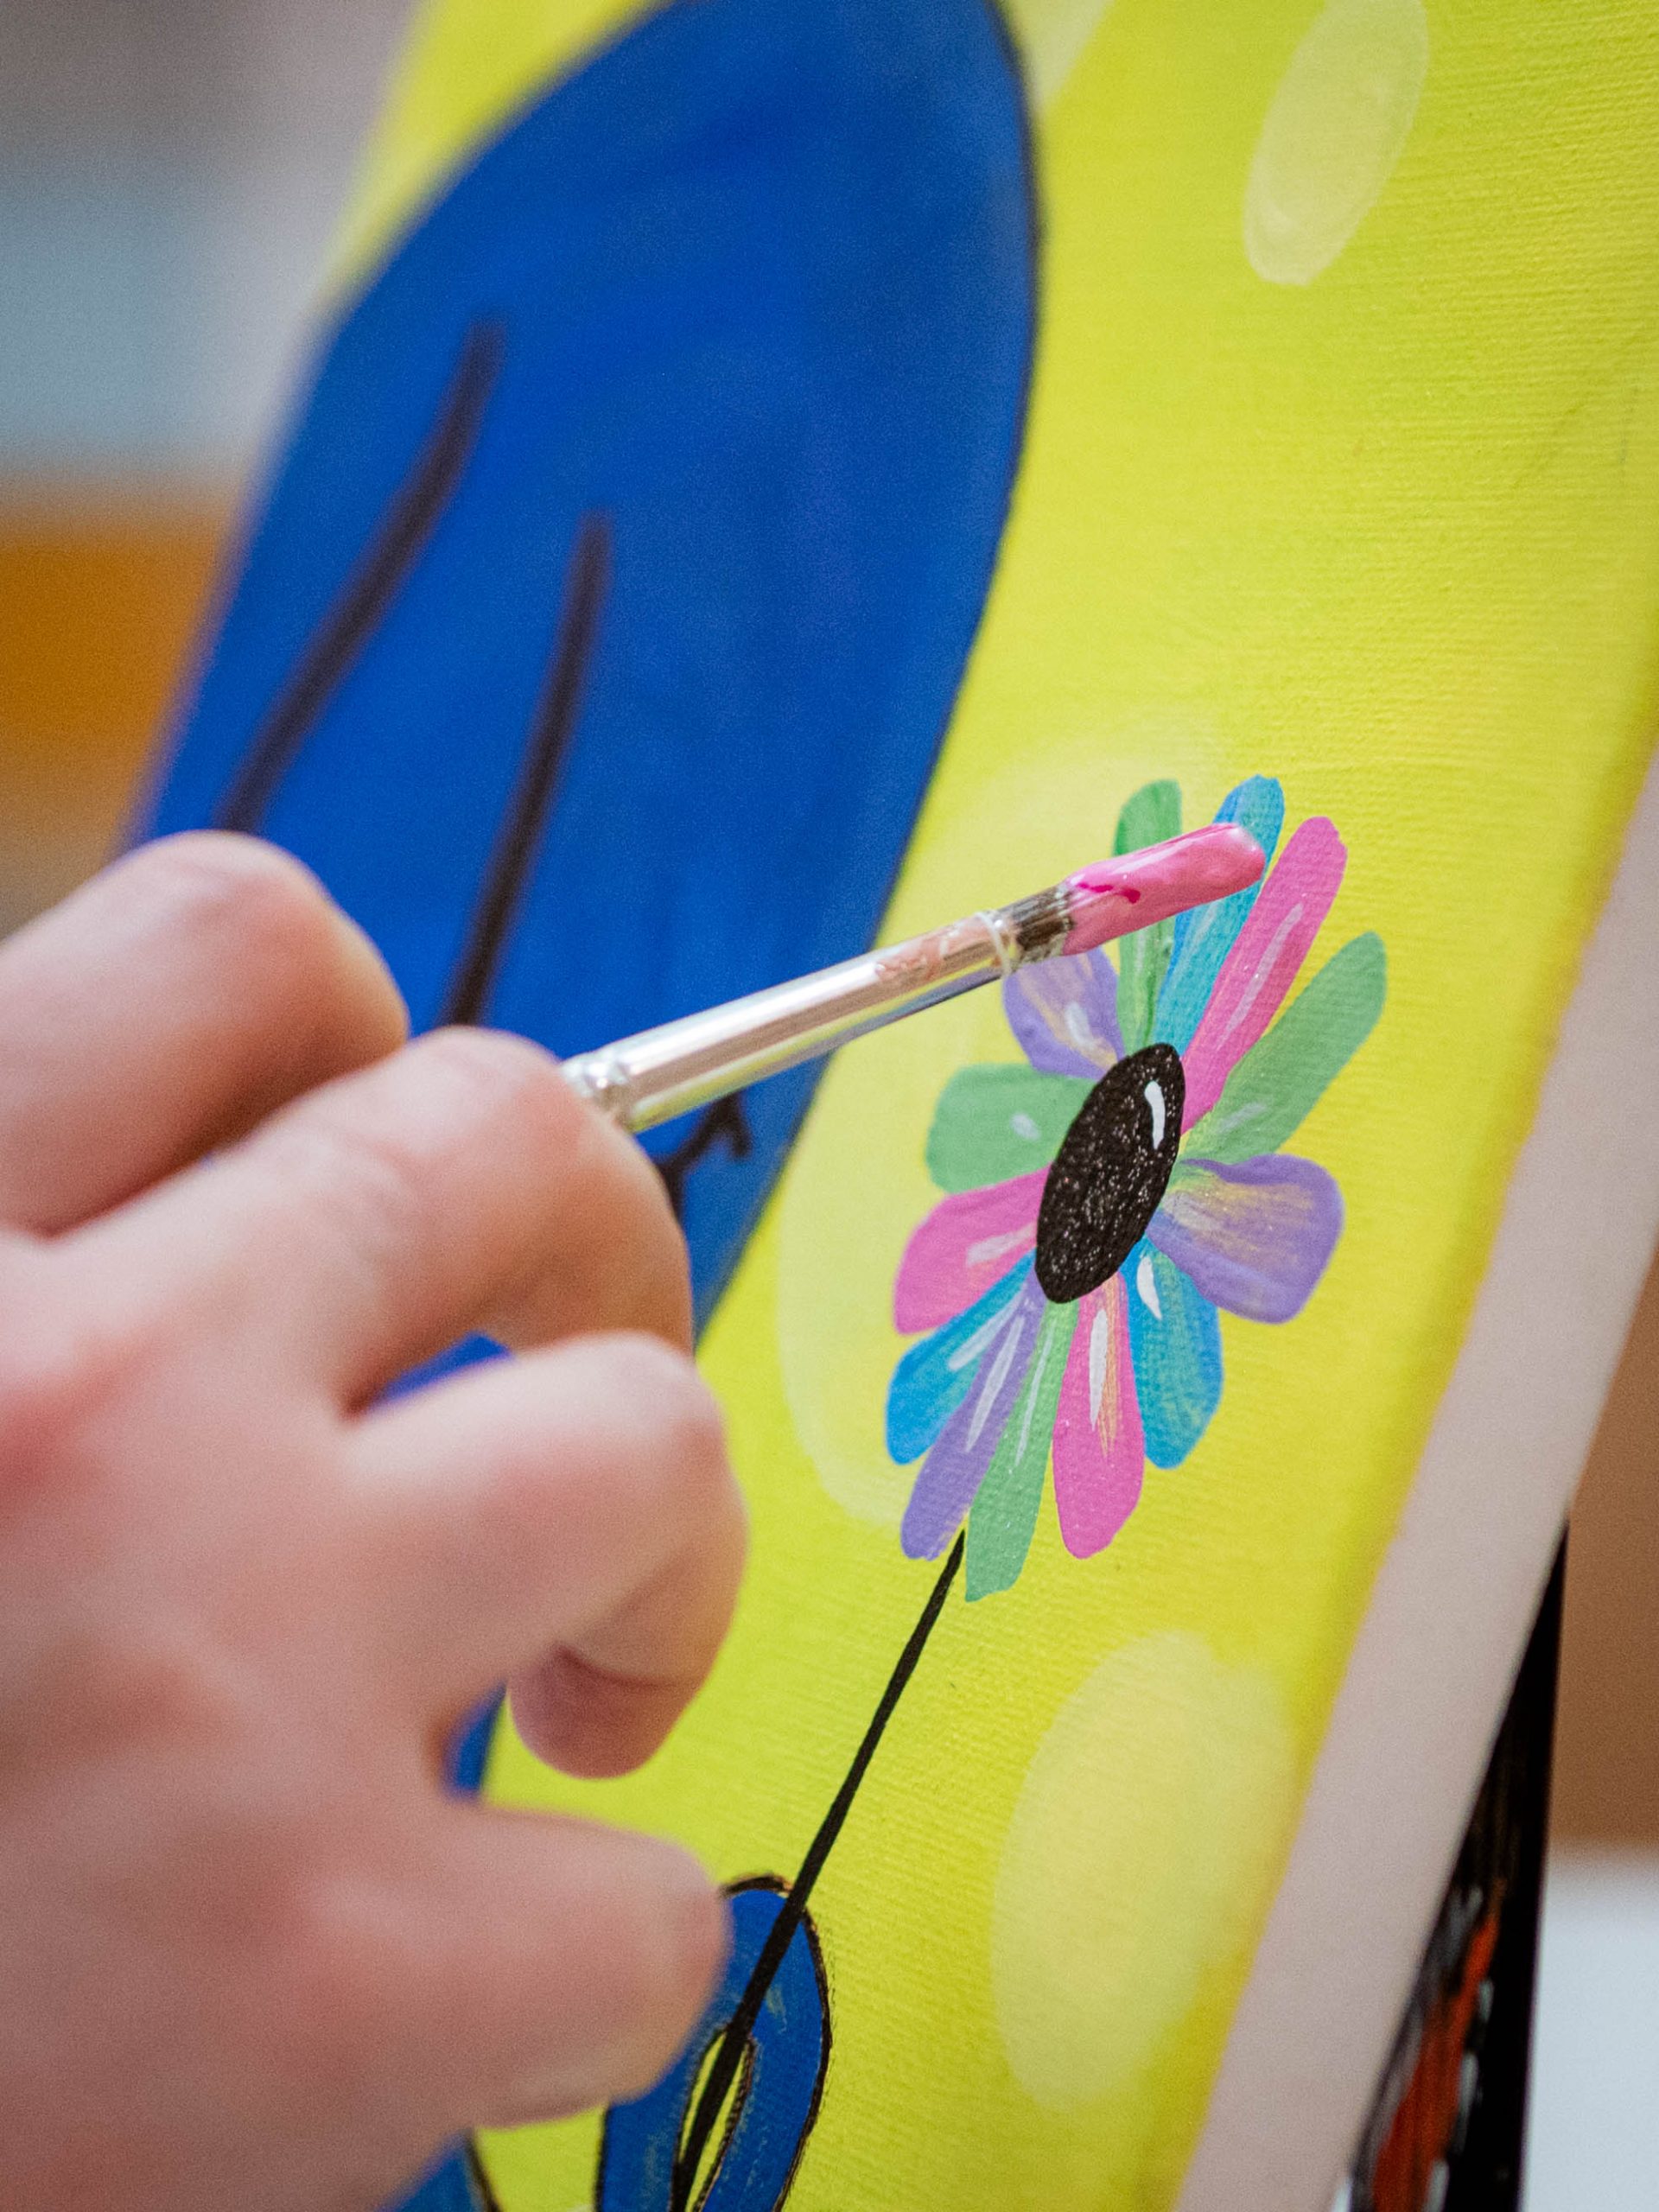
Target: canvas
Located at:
point(842, 465)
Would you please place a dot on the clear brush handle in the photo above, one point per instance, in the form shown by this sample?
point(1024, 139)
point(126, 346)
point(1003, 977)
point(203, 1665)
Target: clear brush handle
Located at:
point(662, 1073)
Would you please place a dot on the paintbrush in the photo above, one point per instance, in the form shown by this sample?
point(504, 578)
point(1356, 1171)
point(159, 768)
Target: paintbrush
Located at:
point(669, 1071)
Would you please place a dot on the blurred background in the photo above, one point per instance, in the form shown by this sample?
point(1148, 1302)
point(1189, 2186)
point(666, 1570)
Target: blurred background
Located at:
point(169, 174)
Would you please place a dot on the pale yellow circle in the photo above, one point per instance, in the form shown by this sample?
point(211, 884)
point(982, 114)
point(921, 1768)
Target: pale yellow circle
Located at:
point(1337, 126)
point(857, 1185)
point(1141, 1852)
point(1051, 35)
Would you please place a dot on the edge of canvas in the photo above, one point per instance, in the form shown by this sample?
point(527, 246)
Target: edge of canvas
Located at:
point(1430, 1671)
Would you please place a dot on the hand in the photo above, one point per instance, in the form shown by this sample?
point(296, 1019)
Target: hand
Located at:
point(252, 1953)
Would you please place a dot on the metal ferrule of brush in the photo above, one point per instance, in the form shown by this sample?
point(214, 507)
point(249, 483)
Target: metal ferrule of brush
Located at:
point(1038, 926)
point(649, 1079)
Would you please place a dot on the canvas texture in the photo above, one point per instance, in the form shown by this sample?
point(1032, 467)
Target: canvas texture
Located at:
point(1011, 438)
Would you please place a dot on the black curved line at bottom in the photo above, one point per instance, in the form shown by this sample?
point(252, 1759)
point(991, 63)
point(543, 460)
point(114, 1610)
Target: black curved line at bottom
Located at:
point(806, 1925)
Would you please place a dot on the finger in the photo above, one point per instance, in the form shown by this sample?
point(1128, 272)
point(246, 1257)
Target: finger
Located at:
point(570, 1519)
point(459, 1185)
point(166, 1005)
point(571, 1964)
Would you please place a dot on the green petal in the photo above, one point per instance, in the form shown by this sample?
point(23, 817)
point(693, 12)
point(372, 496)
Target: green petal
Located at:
point(1152, 815)
point(1004, 1516)
point(995, 1122)
point(1278, 1081)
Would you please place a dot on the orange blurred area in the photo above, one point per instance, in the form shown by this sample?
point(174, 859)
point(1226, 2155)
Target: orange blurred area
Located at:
point(101, 593)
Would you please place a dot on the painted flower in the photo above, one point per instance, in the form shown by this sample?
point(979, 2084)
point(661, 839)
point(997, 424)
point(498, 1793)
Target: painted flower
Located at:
point(1106, 1201)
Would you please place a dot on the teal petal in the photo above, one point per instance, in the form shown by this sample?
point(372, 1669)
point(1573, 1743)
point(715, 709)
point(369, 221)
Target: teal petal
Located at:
point(934, 1376)
point(1151, 816)
point(995, 1122)
point(1004, 1515)
point(1205, 935)
point(1175, 1349)
point(1280, 1079)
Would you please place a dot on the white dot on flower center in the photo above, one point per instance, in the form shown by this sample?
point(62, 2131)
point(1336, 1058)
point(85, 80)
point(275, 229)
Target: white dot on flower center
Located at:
point(1023, 1126)
point(1153, 1095)
point(1147, 1283)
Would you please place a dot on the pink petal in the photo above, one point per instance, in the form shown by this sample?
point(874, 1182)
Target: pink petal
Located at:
point(1099, 1456)
point(966, 1243)
point(1258, 972)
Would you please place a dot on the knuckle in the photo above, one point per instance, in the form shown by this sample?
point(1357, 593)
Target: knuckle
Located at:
point(374, 1181)
point(63, 1367)
point(268, 914)
point(686, 1466)
point(677, 1952)
point(685, 1418)
point(497, 1074)
point(348, 1977)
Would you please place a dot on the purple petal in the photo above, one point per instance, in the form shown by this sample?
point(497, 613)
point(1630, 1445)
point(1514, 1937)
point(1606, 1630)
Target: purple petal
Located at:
point(1064, 1013)
point(954, 1467)
point(1254, 1238)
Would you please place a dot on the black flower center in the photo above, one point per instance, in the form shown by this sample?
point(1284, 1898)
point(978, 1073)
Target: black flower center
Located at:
point(1110, 1173)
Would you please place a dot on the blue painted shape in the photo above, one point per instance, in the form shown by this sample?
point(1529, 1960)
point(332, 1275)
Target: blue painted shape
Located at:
point(447, 2188)
point(1205, 935)
point(789, 2051)
point(935, 1375)
point(761, 279)
point(1175, 1350)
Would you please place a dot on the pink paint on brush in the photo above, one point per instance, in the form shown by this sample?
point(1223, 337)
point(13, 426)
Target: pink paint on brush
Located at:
point(1113, 898)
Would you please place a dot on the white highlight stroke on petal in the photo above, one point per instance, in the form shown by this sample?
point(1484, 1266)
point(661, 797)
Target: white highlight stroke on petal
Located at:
point(1100, 1337)
point(1034, 1388)
point(966, 1354)
point(994, 1380)
point(1264, 967)
point(996, 1247)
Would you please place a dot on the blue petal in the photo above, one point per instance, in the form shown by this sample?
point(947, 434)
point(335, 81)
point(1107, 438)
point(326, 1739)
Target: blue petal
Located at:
point(1205, 935)
point(1175, 1345)
point(934, 1376)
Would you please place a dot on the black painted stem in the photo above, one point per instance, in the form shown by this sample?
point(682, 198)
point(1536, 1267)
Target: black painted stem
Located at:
point(728, 2057)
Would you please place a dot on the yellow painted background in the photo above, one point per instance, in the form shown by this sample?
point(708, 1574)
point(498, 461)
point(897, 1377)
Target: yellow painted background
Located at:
point(1390, 534)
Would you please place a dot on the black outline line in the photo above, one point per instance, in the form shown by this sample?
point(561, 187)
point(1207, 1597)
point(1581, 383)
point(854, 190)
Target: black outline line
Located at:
point(520, 834)
point(777, 1884)
point(723, 2073)
point(726, 1121)
point(477, 2180)
point(404, 533)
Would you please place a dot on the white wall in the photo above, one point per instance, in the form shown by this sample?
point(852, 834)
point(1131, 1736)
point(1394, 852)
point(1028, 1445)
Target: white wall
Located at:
point(169, 173)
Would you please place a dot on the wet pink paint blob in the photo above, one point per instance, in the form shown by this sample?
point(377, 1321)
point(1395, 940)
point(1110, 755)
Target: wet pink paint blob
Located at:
point(1115, 897)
